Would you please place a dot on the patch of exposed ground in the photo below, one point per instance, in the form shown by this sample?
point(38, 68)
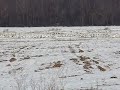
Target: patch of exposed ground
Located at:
point(12, 59)
point(88, 63)
point(44, 66)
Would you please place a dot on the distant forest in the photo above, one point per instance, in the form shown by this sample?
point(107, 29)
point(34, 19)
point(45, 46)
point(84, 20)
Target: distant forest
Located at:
point(59, 12)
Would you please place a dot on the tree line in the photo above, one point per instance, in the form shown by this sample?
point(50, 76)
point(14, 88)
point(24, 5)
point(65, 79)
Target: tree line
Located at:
point(59, 12)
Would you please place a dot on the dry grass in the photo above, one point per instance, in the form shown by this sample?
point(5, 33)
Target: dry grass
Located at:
point(81, 51)
point(83, 58)
point(96, 62)
point(101, 68)
point(27, 57)
point(57, 64)
point(8, 65)
point(12, 59)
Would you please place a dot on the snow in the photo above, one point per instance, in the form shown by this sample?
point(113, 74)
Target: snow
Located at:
point(60, 58)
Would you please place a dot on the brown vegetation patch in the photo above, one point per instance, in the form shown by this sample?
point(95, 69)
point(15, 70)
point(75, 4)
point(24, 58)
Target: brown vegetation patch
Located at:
point(75, 60)
point(57, 64)
point(37, 56)
point(42, 64)
point(13, 71)
point(12, 59)
point(23, 47)
point(83, 58)
point(96, 62)
point(20, 68)
point(117, 52)
point(87, 62)
point(101, 68)
point(88, 71)
point(80, 51)
point(90, 50)
point(70, 76)
point(80, 60)
point(113, 77)
point(27, 57)
point(8, 65)
point(3, 60)
point(95, 58)
point(87, 66)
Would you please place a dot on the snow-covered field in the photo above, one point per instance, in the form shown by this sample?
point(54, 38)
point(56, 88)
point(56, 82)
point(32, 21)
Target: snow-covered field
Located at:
point(60, 58)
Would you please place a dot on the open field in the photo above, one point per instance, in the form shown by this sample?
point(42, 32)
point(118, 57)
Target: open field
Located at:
point(60, 58)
